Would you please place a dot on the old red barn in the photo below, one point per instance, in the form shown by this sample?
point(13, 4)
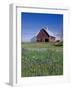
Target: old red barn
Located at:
point(43, 36)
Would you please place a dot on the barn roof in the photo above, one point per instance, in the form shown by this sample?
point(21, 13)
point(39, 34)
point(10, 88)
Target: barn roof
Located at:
point(44, 29)
point(52, 36)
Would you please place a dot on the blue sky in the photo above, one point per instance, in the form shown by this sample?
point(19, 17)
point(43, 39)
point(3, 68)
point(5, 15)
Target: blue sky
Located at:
point(31, 23)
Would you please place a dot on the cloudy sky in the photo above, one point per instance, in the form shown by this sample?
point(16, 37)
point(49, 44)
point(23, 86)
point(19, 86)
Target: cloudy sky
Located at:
point(31, 23)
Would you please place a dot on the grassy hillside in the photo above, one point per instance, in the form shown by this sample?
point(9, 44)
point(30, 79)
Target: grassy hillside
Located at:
point(41, 59)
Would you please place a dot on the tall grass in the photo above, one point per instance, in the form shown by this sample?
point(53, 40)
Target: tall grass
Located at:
point(41, 59)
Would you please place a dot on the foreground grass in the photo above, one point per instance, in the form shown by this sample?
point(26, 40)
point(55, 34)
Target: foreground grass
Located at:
point(41, 59)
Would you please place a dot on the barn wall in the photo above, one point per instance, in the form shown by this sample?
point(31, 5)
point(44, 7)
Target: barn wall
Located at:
point(42, 36)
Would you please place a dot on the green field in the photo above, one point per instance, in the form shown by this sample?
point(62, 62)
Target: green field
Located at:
point(41, 59)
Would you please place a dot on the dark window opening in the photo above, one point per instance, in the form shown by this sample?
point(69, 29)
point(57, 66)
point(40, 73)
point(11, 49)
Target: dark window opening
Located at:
point(46, 40)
